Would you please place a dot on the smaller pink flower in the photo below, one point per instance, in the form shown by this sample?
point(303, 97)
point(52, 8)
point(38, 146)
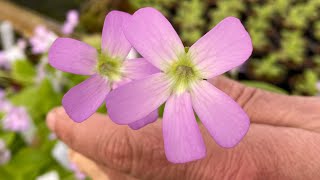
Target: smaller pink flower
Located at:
point(17, 120)
point(42, 40)
point(107, 69)
point(5, 153)
point(182, 84)
point(71, 22)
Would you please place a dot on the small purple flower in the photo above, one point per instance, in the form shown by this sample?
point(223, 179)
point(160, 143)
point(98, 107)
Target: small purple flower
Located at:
point(108, 68)
point(5, 105)
point(42, 40)
point(71, 22)
point(17, 120)
point(3, 60)
point(5, 153)
point(77, 173)
point(182, 84)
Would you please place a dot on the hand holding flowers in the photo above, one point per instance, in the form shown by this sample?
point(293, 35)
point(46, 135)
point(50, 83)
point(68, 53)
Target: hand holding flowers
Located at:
point(178, 77)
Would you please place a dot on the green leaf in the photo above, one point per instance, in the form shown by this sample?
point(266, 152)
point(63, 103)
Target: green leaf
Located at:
point(23, 72)
point(265, 86)
point(8, 137)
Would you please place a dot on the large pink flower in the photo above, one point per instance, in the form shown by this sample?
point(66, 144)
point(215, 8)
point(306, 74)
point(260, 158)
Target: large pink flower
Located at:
point(182, 84)
point(108, 69)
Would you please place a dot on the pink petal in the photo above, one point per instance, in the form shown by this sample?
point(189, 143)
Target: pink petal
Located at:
point(84, 99)
point(73, 56)
point(137, 99)
point(181, 134)
point(152, 35)
point(226, 46)
point(114, 43)
point(222, 116)
point(138, 68)
point(152, 117)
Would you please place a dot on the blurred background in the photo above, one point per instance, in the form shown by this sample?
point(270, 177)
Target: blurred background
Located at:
point(286, 59)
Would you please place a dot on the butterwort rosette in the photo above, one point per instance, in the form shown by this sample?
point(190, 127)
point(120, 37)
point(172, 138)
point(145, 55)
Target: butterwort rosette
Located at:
point(108, 69)
point(182, 84)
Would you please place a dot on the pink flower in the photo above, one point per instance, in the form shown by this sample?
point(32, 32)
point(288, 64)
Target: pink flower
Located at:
point(71, 22)
point(182, 84)
point(42, 40)
point(17, 120)
point(5, 153)
point(106, 68)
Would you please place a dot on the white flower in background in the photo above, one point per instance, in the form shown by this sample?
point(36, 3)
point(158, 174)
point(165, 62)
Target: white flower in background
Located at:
point(71, 22)
point(60, 154)
point(41, 69)
point(7, 35)
point(11, 52)
point(42, 40)
point(5, 153)
point(52, 175)
point(55, 78)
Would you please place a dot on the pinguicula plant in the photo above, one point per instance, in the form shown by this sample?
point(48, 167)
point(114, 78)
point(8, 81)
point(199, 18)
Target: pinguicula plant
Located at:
point(182, 84)
point(108, 68)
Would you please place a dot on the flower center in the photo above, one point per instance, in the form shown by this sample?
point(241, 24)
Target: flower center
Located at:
point(183, 74)
point(109, 67)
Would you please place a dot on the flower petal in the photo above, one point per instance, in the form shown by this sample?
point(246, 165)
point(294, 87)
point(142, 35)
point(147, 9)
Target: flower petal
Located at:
point(226, 46)
point(152, 35)
point(84, 99)
point(181, 134)
point(137, 99)
point(73, 56)
point(152, 117)
point(114, 43)
point(222, 116)
point(138, 68)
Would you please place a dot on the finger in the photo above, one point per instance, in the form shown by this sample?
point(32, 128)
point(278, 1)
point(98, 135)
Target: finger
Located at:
point(87, 166)
point(265, 107)
point(266, 150)
point(94, 170)
point(111, 145)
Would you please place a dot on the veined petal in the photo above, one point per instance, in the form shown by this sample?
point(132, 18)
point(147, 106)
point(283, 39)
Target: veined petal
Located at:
point(152, 35)
point(182, 138)
point(137, 99)
point(138, 68)
point(225, 47)
point(152, 117)
point(114, 43)
point(222, 116)
point(73, 56)
point(84, 99)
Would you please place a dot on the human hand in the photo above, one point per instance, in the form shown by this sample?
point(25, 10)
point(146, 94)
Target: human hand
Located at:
point(283, 142)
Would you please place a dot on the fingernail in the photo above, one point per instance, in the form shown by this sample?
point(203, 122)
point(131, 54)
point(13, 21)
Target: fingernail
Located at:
point(51, 118)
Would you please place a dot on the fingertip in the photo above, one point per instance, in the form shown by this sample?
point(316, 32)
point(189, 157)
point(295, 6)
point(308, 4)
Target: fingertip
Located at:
point(52, 117)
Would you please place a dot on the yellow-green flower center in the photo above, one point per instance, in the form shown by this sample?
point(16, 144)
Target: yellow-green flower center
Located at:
point(109, 67)
point(183, 74)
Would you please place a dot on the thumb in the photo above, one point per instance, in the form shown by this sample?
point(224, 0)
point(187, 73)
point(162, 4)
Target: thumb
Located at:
point(111, 145)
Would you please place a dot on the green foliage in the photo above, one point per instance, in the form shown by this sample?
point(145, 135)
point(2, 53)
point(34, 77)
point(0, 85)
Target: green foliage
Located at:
point(265, 86)
point(292, 47)
point(225, 9)
point(305, 83)
point(23, 72)
point(268, 69)
point(190, 21)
